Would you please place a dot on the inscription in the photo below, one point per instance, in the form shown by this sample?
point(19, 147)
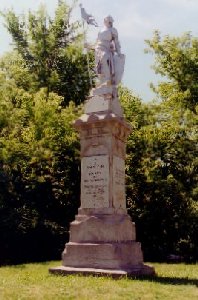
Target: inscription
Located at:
point(119, 200)
point(95, 182)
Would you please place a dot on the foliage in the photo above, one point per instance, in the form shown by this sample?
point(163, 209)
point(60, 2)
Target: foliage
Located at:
point(162, 155)
point(161, 184)
point(176, 58)
point(49, 51)
point(39, 179)
point(31, 281)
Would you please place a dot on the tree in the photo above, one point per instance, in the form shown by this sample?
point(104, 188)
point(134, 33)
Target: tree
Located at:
point(40, 176)
point(39, 150)
point(161, 185)
point(162, 155)
point(176, 58)
point(50, 51)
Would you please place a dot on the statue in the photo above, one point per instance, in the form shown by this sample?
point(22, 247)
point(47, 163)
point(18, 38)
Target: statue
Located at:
point(108, 58)
point(109, 62)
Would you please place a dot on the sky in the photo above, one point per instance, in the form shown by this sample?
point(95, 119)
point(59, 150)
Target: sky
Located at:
point(135, 21)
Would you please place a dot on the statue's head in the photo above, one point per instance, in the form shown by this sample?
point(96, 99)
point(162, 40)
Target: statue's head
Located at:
point(108, 21)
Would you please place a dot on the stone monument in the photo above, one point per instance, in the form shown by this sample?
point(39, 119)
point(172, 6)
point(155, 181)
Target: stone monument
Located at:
point(102, 236)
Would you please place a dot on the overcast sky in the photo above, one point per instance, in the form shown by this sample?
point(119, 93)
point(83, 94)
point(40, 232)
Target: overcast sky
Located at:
point(135, 20)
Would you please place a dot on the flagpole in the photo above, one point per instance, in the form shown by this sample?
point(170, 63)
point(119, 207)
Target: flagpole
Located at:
point(87, 56)
point(91, 21)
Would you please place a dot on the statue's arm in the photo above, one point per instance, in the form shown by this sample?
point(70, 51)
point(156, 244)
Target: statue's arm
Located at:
point(116, 41)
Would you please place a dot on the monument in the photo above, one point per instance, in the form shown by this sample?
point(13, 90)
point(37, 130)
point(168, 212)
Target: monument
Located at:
point(102, 236)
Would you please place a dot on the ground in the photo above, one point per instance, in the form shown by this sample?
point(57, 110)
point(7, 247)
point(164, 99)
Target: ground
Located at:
point(32, 281)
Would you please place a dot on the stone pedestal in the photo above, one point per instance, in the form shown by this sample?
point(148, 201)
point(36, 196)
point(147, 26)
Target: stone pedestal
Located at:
point(102, 237)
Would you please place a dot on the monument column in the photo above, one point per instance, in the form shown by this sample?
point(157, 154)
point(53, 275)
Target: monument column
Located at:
point(102, 236)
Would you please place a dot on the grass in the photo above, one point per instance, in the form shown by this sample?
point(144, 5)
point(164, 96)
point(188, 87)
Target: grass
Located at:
point(32, 281)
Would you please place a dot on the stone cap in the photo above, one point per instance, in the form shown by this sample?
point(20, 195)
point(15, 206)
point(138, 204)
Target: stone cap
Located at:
point(103, 211)
point(101, 117)
point(101, 103)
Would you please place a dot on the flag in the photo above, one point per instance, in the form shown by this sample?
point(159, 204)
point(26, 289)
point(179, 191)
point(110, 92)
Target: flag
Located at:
point(89, 19)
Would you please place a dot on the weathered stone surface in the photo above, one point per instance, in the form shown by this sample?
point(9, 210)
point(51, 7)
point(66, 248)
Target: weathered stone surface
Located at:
point(106, 90)
point(102, 211)
point(134, 271)
point(95, 181)
point(102, 228)
point(118, 186)
point(103, 242)
point(114, 255)
point(103, 182)
point(102, 236)
point(103, 102)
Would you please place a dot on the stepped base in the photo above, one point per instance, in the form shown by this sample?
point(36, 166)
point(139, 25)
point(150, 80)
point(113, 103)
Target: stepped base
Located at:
point(135, 271)
point(113, 256)
point(103, 245)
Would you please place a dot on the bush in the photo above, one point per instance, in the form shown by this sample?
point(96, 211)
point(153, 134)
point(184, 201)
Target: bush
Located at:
point(40, 177)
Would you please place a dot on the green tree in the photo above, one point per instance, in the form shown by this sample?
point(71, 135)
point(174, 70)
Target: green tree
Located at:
point(162, 154)
point(161, 184)
point(176, 59)
point(39, 177)
point(39, 150)
point(50, 51)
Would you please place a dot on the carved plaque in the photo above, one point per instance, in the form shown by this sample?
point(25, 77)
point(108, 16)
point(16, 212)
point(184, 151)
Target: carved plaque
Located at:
point(95, 181)
point(119, 199)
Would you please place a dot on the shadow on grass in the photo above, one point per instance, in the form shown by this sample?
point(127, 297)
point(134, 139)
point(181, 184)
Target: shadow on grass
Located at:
point(171, 280)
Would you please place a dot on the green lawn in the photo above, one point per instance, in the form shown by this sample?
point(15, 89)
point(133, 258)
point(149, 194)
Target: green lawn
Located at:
point(32, 281)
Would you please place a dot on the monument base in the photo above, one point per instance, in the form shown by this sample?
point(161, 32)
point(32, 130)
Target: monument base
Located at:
point(103, 243)
point(102, 237)
point(135, 271)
